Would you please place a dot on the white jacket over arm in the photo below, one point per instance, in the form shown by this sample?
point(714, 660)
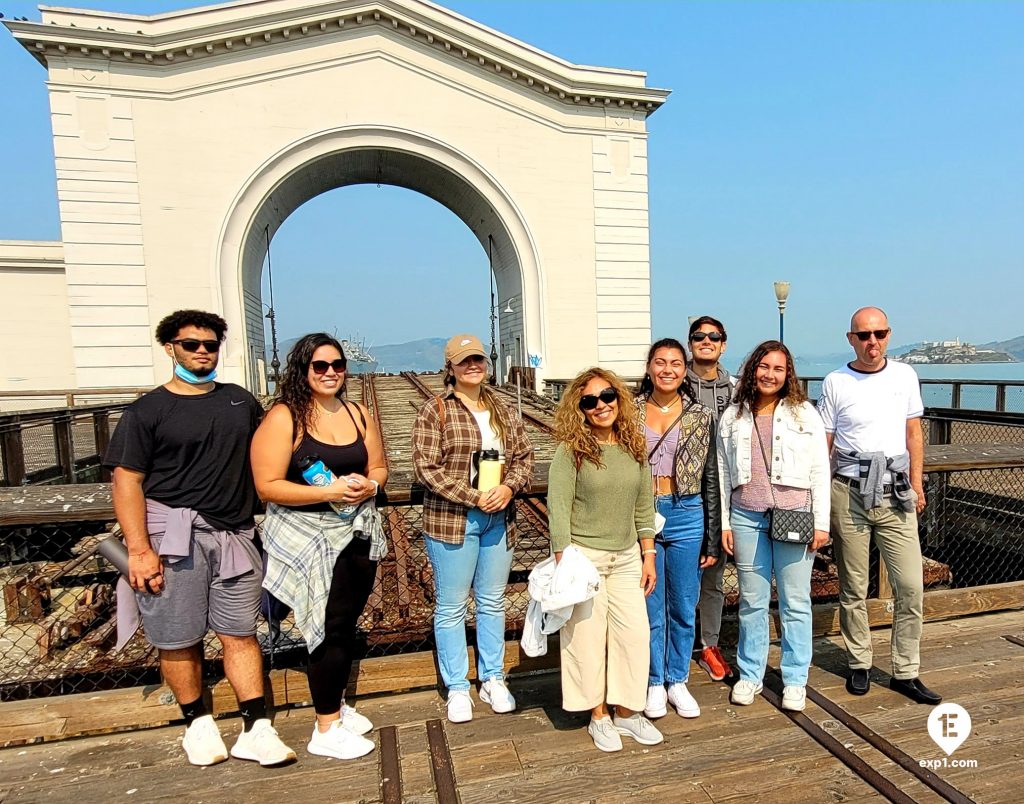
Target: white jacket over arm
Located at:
point(798, 456)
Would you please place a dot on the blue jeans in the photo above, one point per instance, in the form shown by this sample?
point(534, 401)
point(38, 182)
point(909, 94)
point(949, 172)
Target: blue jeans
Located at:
point(672, 606)
point(757, 557)
point(482, 562)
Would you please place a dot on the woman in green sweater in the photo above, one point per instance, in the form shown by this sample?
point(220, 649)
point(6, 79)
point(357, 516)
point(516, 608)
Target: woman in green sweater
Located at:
point(599, 500)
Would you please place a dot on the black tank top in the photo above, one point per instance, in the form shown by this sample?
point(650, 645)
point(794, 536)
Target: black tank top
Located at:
point(343, 459)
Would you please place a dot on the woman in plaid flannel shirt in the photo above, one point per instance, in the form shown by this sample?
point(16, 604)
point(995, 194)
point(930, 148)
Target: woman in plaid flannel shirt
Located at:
point(470, 534)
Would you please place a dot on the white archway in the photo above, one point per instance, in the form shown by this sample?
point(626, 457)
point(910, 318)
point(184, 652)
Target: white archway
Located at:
point(184, 139)
point(362, 155)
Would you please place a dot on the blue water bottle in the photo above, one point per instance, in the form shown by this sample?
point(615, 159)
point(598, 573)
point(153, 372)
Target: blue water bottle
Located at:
point(316, 473)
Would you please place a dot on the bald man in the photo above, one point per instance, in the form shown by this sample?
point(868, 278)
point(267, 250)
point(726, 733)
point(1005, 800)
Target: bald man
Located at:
point(872, 411)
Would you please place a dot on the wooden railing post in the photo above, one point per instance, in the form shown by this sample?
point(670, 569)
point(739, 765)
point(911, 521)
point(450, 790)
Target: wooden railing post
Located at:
point(64, 446)
point(954, 401)
point(12, 452)
point(1001, 396)
point(101, 437)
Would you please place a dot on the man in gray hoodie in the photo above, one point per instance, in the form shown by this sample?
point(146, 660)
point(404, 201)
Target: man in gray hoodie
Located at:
point(712, 385)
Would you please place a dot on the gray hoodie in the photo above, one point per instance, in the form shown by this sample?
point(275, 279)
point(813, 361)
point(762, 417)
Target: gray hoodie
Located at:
point(716, 394)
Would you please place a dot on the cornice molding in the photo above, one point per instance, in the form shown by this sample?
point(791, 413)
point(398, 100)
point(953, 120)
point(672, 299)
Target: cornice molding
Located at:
point(171, 39)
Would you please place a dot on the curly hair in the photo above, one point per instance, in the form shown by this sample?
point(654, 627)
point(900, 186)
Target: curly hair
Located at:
point(170, 325)
point(573, 430)
point(792, 391)
point(293, 390)
point(646, 385)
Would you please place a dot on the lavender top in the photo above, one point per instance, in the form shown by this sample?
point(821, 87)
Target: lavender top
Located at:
point(662, 461)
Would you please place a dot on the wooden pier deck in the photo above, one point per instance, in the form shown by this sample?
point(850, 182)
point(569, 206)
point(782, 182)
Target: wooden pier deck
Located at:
point(542, 754)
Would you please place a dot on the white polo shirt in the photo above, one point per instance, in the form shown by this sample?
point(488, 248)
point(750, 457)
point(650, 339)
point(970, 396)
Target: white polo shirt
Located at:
point(868, 411)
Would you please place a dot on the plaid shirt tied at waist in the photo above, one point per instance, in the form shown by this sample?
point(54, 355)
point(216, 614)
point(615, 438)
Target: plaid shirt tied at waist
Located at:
point(443, 459)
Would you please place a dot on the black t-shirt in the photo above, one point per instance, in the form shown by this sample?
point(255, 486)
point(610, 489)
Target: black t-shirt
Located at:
point(194, 451)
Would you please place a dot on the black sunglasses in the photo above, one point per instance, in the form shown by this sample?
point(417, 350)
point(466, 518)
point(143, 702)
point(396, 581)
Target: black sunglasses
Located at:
point(321, 366)
point(192, 345)
point(865, 335)
point(714, 337)
point(589, 401)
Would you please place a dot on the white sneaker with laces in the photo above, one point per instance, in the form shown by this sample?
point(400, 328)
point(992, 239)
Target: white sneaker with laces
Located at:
point(794, 698)
point(494, 692)
point(338, 743)
point(202, 742)
point(262, 744)
point(604, 734)
point(657, 701)
point(639, 728)
point(460, 706)
point(353, 721)
point(744, 691)
point(685, 704)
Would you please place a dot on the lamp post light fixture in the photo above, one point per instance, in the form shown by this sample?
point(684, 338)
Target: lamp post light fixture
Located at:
point(781, 294)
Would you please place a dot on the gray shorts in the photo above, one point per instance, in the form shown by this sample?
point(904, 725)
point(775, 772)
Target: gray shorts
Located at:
point(195, 599)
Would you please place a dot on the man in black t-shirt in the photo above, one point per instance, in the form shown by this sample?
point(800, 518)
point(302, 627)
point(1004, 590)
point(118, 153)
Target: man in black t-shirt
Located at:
point(185, 500)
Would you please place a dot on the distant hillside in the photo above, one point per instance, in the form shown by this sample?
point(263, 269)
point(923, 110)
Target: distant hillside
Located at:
point(425, 354)
point(1014, 346)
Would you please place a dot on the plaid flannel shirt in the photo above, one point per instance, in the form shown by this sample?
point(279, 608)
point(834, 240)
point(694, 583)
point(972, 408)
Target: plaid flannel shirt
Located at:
point(442, 461)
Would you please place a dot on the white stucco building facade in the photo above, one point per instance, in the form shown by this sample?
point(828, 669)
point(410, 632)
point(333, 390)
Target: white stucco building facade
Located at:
point(184, 140)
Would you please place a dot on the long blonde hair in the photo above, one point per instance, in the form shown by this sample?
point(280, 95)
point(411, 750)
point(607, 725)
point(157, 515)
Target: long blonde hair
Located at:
point(488, 396)
point(572, 429)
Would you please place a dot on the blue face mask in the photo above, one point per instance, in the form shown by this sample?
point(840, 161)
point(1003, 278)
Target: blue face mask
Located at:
point(185, 375)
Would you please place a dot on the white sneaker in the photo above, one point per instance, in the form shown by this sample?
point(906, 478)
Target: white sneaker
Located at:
point(657, 701)
point(353, 721)
point(338, 742)
point(686, 705)
point(639, 728)
point(606, 736)
point(202, 742)
point(460, 706)
point(262, 744)
point(744, 691)
point(494, 692)
point(794, 698)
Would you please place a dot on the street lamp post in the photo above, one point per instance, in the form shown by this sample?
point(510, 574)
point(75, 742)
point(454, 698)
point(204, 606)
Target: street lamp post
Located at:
point(275, 363)
point(494, 313)
point(781, 294)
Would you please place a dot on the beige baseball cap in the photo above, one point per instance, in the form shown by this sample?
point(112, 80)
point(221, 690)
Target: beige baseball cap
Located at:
point(462, 346)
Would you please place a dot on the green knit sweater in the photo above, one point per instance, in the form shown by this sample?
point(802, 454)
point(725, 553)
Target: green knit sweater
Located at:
point(605, 508)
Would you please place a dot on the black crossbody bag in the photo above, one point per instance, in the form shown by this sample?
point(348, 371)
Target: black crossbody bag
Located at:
point(786, 525)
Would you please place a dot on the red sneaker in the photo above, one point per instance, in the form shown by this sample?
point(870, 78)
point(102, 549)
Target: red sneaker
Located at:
point(714, 663)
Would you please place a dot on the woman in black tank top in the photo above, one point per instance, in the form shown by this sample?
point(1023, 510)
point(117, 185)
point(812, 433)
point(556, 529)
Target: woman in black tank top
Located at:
point(311, 421)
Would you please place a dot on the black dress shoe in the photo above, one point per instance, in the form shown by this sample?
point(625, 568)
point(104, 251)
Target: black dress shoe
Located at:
point(915, 690)
point(858, 682)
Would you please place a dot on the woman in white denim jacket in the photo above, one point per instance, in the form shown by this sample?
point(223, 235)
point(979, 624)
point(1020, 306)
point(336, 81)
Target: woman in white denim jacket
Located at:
point(769, 397)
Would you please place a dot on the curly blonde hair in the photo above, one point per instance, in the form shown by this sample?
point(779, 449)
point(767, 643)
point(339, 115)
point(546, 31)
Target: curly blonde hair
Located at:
point(573, 430)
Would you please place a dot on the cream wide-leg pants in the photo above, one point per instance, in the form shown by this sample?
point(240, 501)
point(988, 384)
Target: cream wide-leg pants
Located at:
point(605, 645)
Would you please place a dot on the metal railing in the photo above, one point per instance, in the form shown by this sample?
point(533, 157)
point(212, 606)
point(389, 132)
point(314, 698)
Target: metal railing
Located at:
point(995, 395)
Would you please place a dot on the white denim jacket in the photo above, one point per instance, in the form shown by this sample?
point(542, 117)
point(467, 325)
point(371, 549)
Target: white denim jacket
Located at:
point(798, 455)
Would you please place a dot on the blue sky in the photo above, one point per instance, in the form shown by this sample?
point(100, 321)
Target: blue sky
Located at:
point(868, 152)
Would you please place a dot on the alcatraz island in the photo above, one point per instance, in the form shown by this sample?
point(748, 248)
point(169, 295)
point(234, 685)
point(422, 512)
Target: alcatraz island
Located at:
point(955, 351)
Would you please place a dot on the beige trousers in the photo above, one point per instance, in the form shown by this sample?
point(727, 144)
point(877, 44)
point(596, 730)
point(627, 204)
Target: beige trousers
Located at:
point(606, 644)
point(895, 533)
